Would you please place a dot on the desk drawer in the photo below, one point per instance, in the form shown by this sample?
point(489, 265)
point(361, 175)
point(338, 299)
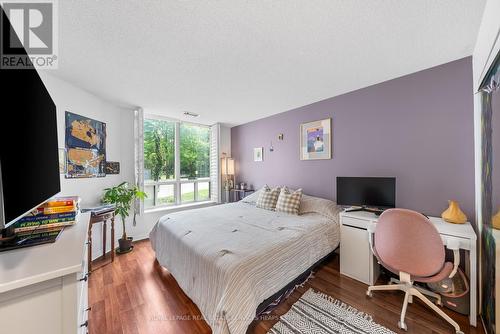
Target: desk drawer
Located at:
point(456, 242)
point(359, 223)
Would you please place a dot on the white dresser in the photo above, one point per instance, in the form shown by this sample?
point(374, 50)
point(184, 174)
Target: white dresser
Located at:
point(43, 289)
point(357, 260)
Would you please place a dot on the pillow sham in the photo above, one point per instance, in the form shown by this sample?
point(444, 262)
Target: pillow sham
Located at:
point(268, 198)
point(289, 202)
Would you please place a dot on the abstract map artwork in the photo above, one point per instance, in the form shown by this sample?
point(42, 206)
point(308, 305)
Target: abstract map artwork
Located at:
point(85, 147)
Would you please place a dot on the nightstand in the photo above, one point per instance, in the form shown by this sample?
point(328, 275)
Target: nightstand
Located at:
point(239, 194)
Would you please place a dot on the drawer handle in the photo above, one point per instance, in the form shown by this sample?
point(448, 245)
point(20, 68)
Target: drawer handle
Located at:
point(85, 324)
point(84, 278)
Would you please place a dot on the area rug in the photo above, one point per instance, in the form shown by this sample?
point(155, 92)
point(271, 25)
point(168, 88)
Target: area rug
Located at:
point(316, 313)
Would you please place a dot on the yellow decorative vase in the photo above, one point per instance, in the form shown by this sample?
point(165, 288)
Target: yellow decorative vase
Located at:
point(453, 214)
point(496, 220)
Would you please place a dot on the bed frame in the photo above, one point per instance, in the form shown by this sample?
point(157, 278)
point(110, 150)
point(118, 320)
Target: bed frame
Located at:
point(272, 302)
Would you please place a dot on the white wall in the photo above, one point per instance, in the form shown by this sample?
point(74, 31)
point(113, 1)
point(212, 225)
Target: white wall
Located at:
point(70, 98)
point(119, 145)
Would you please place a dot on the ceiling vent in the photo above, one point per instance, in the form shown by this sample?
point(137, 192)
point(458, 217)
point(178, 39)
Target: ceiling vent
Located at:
point(190, 114)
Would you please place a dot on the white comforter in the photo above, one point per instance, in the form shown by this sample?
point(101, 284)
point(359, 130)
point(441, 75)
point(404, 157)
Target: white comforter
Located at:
point(230, 258)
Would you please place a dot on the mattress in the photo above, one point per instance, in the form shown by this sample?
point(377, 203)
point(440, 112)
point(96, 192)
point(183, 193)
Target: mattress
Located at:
point(230, 258)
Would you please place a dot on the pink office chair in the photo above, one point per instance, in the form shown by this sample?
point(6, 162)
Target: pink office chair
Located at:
point(408, 244)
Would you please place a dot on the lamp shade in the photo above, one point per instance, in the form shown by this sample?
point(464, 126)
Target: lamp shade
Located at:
point(230, 166)
point(227, 166)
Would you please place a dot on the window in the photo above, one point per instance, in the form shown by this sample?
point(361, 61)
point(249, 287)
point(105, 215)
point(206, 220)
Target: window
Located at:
point(176, 162)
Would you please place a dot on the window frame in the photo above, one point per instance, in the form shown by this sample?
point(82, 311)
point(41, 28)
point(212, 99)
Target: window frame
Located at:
point(177, 181)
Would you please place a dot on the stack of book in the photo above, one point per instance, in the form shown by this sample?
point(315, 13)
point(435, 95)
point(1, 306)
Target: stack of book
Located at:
point(55, 213)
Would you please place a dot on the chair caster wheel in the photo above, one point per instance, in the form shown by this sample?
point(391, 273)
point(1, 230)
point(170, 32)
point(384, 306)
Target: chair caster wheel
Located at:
point(402, 326)
point(369, 293)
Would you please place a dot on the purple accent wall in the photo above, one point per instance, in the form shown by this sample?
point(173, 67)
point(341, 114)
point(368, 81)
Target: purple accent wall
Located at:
point(418, 128)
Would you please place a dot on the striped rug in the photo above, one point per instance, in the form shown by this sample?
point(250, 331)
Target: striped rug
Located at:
point(316, 313)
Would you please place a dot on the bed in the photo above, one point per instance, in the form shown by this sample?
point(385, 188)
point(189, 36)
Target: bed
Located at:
point(230, 258)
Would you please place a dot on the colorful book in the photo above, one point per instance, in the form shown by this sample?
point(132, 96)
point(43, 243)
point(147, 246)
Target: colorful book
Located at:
point(43, 226)
point(61, 202)
point(40, 234)
point(41, 217)
point(43, 222)
point(56, 209)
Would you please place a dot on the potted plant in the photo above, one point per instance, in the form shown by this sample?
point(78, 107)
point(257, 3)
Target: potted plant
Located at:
point(122, 196)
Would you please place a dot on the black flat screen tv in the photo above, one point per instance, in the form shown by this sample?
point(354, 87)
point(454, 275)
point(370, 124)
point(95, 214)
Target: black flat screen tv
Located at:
point(376, 192)
point(29, 163)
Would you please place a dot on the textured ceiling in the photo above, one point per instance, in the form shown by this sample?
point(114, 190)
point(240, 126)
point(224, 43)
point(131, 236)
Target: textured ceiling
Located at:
point(235, 61)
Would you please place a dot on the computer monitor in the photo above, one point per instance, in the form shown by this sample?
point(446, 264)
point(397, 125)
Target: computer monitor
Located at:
point(376, 192)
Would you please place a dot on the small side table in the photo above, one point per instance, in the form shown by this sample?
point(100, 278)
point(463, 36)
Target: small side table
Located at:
point(239, 194)
point(101, 218)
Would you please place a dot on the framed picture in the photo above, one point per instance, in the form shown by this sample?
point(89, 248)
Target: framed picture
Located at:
point(258, 154)
point(85, 147)
point(316, 140)
point(112, 167)
point(62, 161)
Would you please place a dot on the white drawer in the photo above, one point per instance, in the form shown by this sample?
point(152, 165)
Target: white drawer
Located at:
point(359, 223)
point(83, 305)
point(82, 272)
point(85, 257)
point(452, 242)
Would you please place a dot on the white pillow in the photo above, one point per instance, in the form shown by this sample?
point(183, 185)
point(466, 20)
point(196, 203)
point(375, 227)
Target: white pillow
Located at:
point(252, 198)
point(324, 207)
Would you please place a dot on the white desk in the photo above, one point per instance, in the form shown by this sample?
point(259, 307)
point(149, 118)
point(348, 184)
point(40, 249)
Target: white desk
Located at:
point(354, 240)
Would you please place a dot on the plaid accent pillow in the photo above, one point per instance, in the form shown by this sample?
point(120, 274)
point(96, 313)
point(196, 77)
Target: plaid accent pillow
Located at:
point(289, 202)
point(268, 198)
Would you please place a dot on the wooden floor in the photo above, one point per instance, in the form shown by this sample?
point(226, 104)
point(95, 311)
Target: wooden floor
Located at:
point(136, 295)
